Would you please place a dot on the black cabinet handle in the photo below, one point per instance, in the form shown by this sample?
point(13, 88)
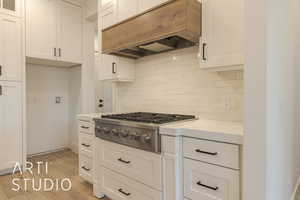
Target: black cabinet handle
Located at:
point(0, 70)
point(85, 145)
point(84, 127)
point(203, 51)
point(125, 193)
point(113, 67)
point(1, 90)
point(208, 187)
point(206, 152)
point(54, 52)
point(85, 168)
point(59, 52)
point(123, 161)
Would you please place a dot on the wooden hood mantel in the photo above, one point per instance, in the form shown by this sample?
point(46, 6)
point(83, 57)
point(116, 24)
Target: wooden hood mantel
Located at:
point(171, 26)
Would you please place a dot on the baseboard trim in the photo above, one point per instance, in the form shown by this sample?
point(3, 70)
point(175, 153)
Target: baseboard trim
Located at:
point(296, 189)
point(47, 152)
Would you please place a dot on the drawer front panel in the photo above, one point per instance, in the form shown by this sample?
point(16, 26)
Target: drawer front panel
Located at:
point(140, 165)
point(118, 187)
point(86, 168)
point(212, 152)
point(210, 182)
point(86, 144)
point(86, 127)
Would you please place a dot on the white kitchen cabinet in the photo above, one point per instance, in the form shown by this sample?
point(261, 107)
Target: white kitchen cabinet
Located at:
point(11, 7)
point(10, 124)
point(70, 32)
point(145, 5)
point(107, 17)
point(41, 26)
point(115, 68)
point(86, 135)
point(222, 41)
point(126, 9)
point(54, 30)
point(10, 48)
point(209, 182)
point(91, 10)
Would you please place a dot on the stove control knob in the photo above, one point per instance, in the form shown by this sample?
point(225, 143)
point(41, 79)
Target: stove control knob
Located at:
point(135, 136)
point(115, 132)
point(124, 133)
point(105, 130)
point(147, 138)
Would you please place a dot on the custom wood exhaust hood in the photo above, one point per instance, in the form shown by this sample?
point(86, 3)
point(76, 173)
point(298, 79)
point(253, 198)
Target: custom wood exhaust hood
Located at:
point(171, 26)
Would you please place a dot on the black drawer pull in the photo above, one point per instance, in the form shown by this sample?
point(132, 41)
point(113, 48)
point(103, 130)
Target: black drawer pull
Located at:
point(125, 193)
point(123, 161)
point(208, 187)
point(206, 152)
point(84, 127)
point(86, 169)
point(85, 145)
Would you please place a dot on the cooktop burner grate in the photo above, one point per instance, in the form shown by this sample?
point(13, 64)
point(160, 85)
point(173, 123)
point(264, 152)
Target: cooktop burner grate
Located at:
point(145, 117)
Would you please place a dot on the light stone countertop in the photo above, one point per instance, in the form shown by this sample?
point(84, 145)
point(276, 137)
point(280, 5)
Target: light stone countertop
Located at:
point(221, 131)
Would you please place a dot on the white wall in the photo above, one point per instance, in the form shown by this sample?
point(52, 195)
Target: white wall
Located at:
point(271, 156)
point(174, 83)
point(47, 122)
point(74, 105)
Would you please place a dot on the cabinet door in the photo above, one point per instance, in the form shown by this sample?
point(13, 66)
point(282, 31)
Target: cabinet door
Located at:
point(10, 124)
point(107, 68)
point(222, 33)
point(107, 17)
point(126, 10)
point(41, 29)
point(10, 48)
point(70, 32)
point(146, 4)
point(11, 7)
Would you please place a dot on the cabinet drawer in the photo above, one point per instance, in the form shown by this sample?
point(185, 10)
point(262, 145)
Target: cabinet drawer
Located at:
point(118, 187)
point(140, 165)
point(86, 127)
point(212, 152)
point(86, 144)
point(86, 168)
point(210, 182)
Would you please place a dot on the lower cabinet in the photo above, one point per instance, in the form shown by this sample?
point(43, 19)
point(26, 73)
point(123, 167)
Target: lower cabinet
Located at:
point(119, 187)
point(210, 182)
point(10, 124)
point(86, 137)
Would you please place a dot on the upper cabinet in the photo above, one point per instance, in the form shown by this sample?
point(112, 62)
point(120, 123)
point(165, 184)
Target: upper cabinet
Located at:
point(91, 9)
point(222, 41)
point(10, 48)
point(11, 7)
point(54, 30)
point(116, 11)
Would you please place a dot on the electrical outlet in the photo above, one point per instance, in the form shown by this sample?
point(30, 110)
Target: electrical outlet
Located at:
point(58, 100)
point(227, 103)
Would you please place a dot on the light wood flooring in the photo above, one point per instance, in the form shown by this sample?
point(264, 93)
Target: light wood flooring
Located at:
point(63, 164)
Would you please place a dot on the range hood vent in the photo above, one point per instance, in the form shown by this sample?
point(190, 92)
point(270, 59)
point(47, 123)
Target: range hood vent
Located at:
point(174, 25)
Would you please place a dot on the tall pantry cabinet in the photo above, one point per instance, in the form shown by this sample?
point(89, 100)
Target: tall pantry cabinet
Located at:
point(11, 84)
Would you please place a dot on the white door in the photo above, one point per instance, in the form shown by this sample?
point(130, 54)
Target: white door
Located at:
point(10, 124)
point(41, 26)
point(70, 32)
point(126, 10)
point(10, 48)
point(222, 33)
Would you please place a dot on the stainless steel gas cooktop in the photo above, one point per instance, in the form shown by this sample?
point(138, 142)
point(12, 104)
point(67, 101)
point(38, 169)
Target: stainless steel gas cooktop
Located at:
point(138, 130)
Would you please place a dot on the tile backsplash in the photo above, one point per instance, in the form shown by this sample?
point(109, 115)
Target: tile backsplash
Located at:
point(174, 83)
